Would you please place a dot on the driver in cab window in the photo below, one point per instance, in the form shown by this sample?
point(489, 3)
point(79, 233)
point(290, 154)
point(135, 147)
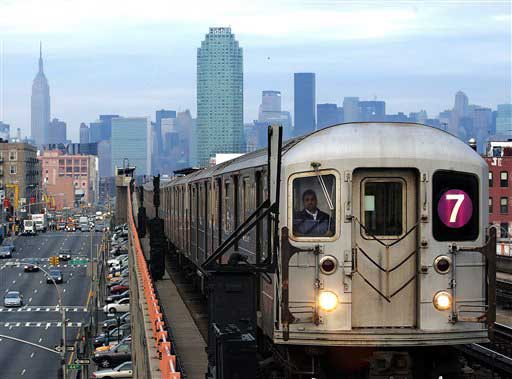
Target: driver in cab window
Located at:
point(311, 221)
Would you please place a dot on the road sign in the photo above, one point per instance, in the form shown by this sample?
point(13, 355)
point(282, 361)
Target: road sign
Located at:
point(74, 366)
point(83, 361)
point(79, 261)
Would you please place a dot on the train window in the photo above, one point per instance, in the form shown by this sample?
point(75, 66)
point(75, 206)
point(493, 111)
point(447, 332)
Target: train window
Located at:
point(455, 206)
point(504, 230)
point(490, 178)
point(383, 207)
point(227, 208)
point(314, 206)
point(504, 205)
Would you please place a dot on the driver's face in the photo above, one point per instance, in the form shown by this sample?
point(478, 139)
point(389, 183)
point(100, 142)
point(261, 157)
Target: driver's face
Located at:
point(310, 203)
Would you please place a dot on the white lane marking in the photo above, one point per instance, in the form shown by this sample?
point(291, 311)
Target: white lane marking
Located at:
point(64, 290)
point(40, 338)
point(38, 309)
point(23, 372)
point(48, 325)
point(18, 324)
point(59, 324)
point(32, 355)
point(14, 281)
point(39, 324)
point(35, 291)
point(27, 324)
point(40, 282)
point(29, 299)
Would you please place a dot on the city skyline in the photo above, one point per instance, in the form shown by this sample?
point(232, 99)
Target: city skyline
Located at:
point(134, 74)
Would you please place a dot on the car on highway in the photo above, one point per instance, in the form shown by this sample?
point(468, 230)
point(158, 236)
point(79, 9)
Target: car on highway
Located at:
point(31, 265)
point(113, 323)
point(61, 226)
point(121, 305)
point(124, 370)
point(70, 227)
point(65, 255)
point(56, 275)
point(118, 354)
point(115, 335)
point(5, 252)
point(13, 299)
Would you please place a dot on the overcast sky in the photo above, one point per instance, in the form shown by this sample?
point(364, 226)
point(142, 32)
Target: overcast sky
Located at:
point(133, 57)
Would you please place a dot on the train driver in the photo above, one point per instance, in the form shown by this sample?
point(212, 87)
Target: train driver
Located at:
point(311, 221)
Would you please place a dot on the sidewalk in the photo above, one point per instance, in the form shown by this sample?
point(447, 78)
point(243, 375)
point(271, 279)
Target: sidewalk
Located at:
point(185, 336)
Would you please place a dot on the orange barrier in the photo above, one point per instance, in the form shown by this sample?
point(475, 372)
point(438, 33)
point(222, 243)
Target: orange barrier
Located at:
point(161, 338)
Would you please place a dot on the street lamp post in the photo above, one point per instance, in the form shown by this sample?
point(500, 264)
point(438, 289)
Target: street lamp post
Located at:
point(63, 314)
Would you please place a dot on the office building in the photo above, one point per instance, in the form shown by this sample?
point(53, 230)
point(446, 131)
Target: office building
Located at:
point(131, 141)
point(105, 159)
point(57, 132)
point(351, 109)
point(101, 130)
point(327, 115)
point(40, 105)
point(482, 124)
point(504, 120)
point(304, 102)
point(460, 110)
point(219, 95)
point(5, 130)
point(84, 133)
point(269, 113)
point(372, 110)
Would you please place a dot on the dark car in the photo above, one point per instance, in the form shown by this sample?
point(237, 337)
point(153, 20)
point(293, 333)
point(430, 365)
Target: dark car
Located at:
point(6, 251)
point(65, 255)
point(31, 265)
point(115, 335)
point(119, 296)
point(113, 323)
point(118, 354)
point(56, 275)
point(118, 289)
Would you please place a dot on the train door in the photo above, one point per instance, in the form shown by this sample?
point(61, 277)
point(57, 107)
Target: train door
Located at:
point(385, 247)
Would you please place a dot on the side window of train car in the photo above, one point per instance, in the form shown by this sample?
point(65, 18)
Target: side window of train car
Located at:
point(313, 197)
point(384, 206)
point(455, 206)
point(227, 207)
point(246, 203)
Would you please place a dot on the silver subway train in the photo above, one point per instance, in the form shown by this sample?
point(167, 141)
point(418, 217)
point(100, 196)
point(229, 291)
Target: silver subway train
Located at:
point(383, 237)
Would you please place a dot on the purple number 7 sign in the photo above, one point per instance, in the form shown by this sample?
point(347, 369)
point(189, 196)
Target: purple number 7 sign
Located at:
point(455, 208)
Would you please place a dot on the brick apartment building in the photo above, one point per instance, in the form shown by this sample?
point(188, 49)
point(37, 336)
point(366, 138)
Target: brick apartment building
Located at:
point(499, 160)
point(70, 179)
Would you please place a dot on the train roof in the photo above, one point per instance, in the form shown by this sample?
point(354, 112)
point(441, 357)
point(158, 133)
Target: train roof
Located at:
point(365, 140)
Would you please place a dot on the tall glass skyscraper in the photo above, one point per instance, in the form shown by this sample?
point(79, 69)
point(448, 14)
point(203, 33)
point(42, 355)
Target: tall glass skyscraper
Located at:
point(131, 139)
point(504, 120)
point(304, 103)
point(40, 105)
point(220, 95)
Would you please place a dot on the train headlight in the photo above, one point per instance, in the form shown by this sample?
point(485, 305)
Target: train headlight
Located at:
point(442, 301)
point(443, 264)
point(328, 264)
point(327, 301)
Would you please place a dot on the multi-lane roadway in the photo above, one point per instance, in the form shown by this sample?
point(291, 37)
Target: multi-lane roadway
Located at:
point(39, 319)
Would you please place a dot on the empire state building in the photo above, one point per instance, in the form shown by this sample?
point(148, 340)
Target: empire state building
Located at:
point(40, 105)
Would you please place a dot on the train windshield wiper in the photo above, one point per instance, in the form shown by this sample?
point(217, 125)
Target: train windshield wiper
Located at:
point(324, 190)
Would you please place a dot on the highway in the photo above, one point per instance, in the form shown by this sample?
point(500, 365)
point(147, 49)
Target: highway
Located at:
point(39, 320)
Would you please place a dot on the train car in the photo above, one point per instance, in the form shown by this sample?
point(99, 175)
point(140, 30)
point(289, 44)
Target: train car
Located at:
point(387, 222)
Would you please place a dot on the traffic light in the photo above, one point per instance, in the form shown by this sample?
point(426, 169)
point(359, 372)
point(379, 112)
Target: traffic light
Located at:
point(54, 260)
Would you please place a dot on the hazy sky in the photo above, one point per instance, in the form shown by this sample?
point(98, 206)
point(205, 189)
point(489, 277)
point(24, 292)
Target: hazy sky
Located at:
point(133, 57)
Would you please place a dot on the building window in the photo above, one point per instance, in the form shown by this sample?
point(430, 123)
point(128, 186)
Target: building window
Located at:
point(490, 205)
point(69, 169)
point(68, 161)
point(490, 178)
point(13, 155)
point(1, 155)
point(504, 205)
point(504, 179)
point(61, 162)
point(504, 230)
point(13, 169)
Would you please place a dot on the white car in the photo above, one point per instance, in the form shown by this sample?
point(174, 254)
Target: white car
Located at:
point(122, 305)
point(124, 370)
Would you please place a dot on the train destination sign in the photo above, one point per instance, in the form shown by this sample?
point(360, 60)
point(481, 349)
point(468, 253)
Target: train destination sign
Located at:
point(455, 208)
